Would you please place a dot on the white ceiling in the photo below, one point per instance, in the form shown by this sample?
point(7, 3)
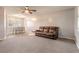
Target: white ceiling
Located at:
point(51, 9)
point(40, 9)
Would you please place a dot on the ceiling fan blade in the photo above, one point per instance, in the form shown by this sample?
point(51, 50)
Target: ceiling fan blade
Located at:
point(23, 11)
point(33, 10)
point(30, 12)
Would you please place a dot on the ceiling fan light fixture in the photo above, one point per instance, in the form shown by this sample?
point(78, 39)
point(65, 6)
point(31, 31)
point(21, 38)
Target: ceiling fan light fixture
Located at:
point(26, 11)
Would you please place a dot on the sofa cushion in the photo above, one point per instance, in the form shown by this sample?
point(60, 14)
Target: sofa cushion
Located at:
point(49, 34)
point(45, 30)
point(51, 31)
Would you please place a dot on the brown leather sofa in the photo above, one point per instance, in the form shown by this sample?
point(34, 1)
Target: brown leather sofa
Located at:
point(47, 31)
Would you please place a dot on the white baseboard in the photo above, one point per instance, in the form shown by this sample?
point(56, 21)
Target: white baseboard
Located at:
point(77, 45)
point(66, 38)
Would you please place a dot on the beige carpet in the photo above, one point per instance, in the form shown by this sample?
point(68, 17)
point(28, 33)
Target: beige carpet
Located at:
point(34, 44)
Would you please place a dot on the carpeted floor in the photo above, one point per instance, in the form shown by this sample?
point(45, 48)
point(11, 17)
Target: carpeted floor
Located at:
point(34, 44)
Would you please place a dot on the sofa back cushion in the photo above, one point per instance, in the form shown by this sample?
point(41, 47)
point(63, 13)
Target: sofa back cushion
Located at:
point(41, 29)
point(51, 31)
point(46, 29)
point(53, 28)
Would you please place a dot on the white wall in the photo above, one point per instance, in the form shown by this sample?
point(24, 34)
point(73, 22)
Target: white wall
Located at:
point(76, 26)
point(1, 23)
point(63, 19)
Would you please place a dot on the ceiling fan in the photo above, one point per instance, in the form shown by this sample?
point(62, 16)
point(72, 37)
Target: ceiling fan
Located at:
point(28, 10)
